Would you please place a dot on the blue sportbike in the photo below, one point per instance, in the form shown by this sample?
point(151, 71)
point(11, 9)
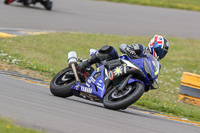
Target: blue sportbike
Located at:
point(116, 83)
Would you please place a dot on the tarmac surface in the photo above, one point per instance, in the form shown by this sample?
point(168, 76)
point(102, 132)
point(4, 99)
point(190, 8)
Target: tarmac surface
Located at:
point(33, 105)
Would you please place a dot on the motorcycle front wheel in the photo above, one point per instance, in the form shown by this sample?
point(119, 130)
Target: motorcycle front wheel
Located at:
point(62, 82)
point(116, 99)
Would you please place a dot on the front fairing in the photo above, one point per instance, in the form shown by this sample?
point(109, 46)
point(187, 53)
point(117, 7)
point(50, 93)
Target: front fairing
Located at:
point(156, 65)
point(156, 70)
point(94, 84)
point(150, 66)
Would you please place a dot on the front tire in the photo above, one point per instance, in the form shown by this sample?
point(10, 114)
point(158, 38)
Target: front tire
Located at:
point(61, 85)
point(116, 100)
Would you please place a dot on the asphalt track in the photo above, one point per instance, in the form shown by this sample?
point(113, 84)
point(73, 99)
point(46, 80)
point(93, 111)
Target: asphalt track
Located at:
point(102, 17)
point(34, 106)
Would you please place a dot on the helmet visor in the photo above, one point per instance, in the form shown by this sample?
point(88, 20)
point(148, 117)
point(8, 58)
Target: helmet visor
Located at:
point(160, 52)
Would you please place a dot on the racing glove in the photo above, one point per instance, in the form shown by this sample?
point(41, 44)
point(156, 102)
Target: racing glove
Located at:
point(129, 50)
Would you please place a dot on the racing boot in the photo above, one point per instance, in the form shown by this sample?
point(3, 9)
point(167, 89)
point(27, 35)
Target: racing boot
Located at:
point(93, 59)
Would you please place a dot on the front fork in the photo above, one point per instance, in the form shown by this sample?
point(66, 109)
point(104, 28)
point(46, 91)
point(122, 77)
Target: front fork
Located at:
point(125, 83)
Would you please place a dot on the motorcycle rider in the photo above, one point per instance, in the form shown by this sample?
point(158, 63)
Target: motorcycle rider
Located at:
point(158, 47)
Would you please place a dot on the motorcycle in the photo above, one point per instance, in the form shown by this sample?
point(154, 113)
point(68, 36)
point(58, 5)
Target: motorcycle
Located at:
point(117, 83)
point(48, 4)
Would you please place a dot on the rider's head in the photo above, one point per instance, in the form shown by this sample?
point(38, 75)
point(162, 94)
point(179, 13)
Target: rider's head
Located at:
point(158, 46)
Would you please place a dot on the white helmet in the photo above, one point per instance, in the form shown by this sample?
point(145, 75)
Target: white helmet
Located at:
point(158, 46)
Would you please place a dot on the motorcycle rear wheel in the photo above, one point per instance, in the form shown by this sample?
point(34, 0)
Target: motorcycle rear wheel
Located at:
point(116, 100)
point(61, 84)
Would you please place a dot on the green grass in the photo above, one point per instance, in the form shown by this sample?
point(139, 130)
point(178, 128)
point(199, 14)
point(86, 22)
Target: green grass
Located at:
point(6, 126)
point(48, 53)
point(178, 4)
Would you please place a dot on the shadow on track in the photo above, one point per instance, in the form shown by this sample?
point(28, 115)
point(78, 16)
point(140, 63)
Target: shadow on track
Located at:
point(128, 111)
point(30, 7)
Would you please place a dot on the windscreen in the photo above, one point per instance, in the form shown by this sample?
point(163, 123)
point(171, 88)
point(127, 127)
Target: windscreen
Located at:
point(156, 65)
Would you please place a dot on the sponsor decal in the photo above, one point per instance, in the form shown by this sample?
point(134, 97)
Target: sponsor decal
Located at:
point(100, 88)
point(89, 81)
point(118, 71)
point(86, 89)
point(98, 69)
point(77, 87)
point(92, 79)
point(110, 75)
point(156, 72)
point(99, 84)
point(100, 81)
point(87, 85)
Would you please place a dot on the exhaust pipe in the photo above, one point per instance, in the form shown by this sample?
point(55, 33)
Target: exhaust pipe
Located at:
point(72, 62)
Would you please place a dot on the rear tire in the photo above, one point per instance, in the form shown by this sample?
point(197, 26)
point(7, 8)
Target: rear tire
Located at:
point(132, 93)
point(61, 88)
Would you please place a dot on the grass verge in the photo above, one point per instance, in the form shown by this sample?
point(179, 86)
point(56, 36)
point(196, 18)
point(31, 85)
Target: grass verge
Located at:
point(47, 54)
point(6, 126)
point(177, 4)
